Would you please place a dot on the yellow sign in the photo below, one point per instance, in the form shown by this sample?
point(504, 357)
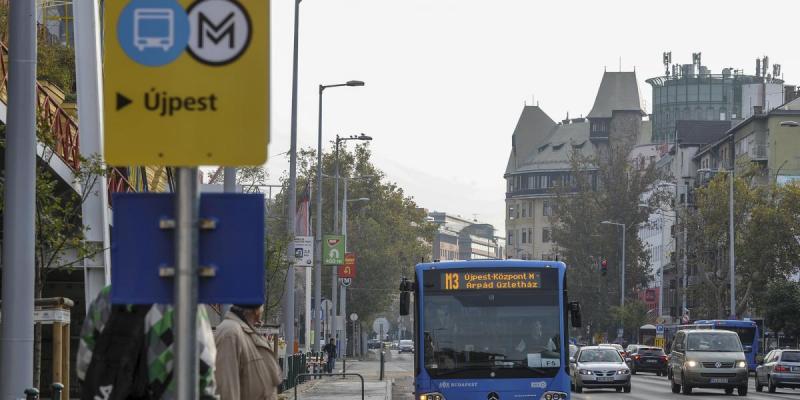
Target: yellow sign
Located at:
point(186, 82)
point(660, 342)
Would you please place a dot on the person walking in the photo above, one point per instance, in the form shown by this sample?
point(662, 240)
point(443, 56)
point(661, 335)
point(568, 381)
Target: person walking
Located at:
point(247, 368)
point(330, 351)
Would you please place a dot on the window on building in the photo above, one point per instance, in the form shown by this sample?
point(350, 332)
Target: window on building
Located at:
point(530, 235)
point(546, 235)
point(524, 236)
point(510, 238)
point(547, 210)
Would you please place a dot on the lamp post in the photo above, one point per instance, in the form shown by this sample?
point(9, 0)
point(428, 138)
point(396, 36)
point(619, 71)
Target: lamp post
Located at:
point(622, 266)
point(318, 233)
point(334, 275)
point(343, 303)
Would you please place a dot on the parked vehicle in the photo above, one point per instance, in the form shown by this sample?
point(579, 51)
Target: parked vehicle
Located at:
point(707, 359)
point(598, 367)
point(406, 346)
point(648, 359)
point(780, 368)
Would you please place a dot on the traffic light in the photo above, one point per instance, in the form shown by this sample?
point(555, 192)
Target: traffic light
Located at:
point(604, 267)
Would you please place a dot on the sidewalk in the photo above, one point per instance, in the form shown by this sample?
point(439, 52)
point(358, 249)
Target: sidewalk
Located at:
point(336, 388)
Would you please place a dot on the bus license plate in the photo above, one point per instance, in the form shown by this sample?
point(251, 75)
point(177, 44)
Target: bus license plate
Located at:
point(605, 378)
point(719, 380)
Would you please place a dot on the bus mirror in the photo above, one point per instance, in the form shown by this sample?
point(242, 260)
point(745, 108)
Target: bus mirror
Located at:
point(575, 314)
point(405, 303)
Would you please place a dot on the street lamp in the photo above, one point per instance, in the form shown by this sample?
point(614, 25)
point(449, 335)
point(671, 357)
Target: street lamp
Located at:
point(622, 268)
point(334, 275)
point(343, 303)
point(318, 233)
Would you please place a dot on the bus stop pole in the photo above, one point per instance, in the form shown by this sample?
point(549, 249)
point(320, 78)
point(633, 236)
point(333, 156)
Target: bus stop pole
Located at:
point(187, 204)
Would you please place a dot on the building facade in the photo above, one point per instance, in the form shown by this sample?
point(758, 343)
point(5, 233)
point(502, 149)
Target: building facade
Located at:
point(462, 239)
point(539, 161)
point(693, 92)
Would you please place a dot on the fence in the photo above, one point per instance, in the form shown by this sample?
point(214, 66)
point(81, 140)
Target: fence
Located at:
point(300, 364)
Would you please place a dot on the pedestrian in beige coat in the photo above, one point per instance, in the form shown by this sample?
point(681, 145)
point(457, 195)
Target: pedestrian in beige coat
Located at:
point(247, 368)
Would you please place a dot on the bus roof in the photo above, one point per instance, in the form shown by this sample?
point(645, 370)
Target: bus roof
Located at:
point(482, 264)
point(726, 322)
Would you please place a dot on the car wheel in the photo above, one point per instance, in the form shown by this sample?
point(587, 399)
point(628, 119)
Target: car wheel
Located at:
point(742, 390)
point(675, 387)
point(627, 389)
point(728, 390)
point(578, 388)
point(771, 385)
point(685, 389)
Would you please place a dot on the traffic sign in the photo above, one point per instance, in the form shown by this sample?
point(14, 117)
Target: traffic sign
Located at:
point(346, 282)
point(659, 330)
point(231, 243)
point(353, 317)
point(380, 325)
point(333, 250)
point(186, 82)
point(348, 269)
point(303, 251)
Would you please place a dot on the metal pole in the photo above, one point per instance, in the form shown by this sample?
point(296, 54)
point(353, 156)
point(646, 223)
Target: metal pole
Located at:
point(288, 300)
point(343, 303)
point(622, 283)
point(334, 271)
point(187, 204)
point(685, 262)
point(732, 254)
point(661, 271)
point(89, 85)
point(229, 180)
point(318, 235)
point(16, 336)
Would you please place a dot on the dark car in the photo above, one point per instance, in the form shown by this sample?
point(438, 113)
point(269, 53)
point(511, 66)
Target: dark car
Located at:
point(648, 359)
point(780, 368)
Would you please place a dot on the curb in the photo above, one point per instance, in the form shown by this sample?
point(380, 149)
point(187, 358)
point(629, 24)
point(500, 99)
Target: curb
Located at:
point(389, 385)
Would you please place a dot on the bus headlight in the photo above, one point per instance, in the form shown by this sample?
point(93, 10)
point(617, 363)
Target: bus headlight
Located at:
point(741, 364)
point(431, 396)
point(554, 396)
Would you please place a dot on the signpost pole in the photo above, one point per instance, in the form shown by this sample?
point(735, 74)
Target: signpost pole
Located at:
point(343, 303)
point(187, 202)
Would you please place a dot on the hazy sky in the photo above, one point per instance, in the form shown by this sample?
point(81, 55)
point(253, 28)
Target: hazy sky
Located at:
point(447, 79)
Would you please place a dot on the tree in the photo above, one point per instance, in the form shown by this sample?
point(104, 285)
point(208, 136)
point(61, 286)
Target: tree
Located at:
point(59, 232)
point(783, 315)
point(633, 315)
point(605, 188)
point(389, 233)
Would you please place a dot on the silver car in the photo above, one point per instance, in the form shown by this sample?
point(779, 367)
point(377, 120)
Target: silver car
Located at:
point(595, 367)
point(780, 368)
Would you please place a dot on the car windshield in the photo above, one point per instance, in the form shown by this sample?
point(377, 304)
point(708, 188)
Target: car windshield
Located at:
point(790, 356)
point(406, 343)
point(608, 355)
point(713, 341)
point(512, 334)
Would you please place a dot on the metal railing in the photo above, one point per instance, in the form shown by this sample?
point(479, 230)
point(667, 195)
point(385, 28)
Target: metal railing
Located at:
point(63, 128)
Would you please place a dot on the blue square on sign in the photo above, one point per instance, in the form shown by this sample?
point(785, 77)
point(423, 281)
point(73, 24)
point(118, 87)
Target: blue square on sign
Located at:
point(234, 248)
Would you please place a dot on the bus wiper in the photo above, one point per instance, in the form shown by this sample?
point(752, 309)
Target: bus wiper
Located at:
point(463, 369)
point(523, 364)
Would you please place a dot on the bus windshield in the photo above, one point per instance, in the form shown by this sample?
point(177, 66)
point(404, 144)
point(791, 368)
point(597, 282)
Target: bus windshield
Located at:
point(492, 333)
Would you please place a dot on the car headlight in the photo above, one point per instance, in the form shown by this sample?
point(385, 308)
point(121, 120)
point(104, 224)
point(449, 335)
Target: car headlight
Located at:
point(741, 364)
point(585, 372)
point(623, 372)
point(554, 396)
point(691, 363)
point(431, 396)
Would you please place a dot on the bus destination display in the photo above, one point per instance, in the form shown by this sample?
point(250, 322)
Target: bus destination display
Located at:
point(480, 280)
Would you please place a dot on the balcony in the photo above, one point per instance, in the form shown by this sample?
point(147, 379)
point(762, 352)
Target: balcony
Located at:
point(758, 152)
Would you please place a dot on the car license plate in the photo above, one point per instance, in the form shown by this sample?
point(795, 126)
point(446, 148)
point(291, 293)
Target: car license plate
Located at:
point(605, 378)
point(652, 361)
point(719, 380)
point(795, 369)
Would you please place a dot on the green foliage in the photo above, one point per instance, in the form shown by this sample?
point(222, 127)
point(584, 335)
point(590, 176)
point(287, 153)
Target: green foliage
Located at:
point(765, 224)
point(389, 233)
point(56, 64)
point(606, 188)
point(633, 315)
point(783, 314)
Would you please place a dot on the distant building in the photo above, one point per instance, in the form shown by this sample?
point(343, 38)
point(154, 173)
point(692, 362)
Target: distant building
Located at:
point(463, 239)
point(692, 92)
point(540, 159)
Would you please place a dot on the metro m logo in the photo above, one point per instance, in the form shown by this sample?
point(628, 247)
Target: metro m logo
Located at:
point(208, 28)
point(219, 31)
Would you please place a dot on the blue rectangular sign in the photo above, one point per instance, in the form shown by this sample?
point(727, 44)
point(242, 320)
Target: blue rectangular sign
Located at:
point(234, 248)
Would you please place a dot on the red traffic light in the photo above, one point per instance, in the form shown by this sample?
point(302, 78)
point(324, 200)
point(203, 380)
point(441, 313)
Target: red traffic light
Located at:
point(604, 267)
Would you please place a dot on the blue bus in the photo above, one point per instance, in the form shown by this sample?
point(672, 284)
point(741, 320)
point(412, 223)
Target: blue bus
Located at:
point(490, 329)
point(747, 330)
